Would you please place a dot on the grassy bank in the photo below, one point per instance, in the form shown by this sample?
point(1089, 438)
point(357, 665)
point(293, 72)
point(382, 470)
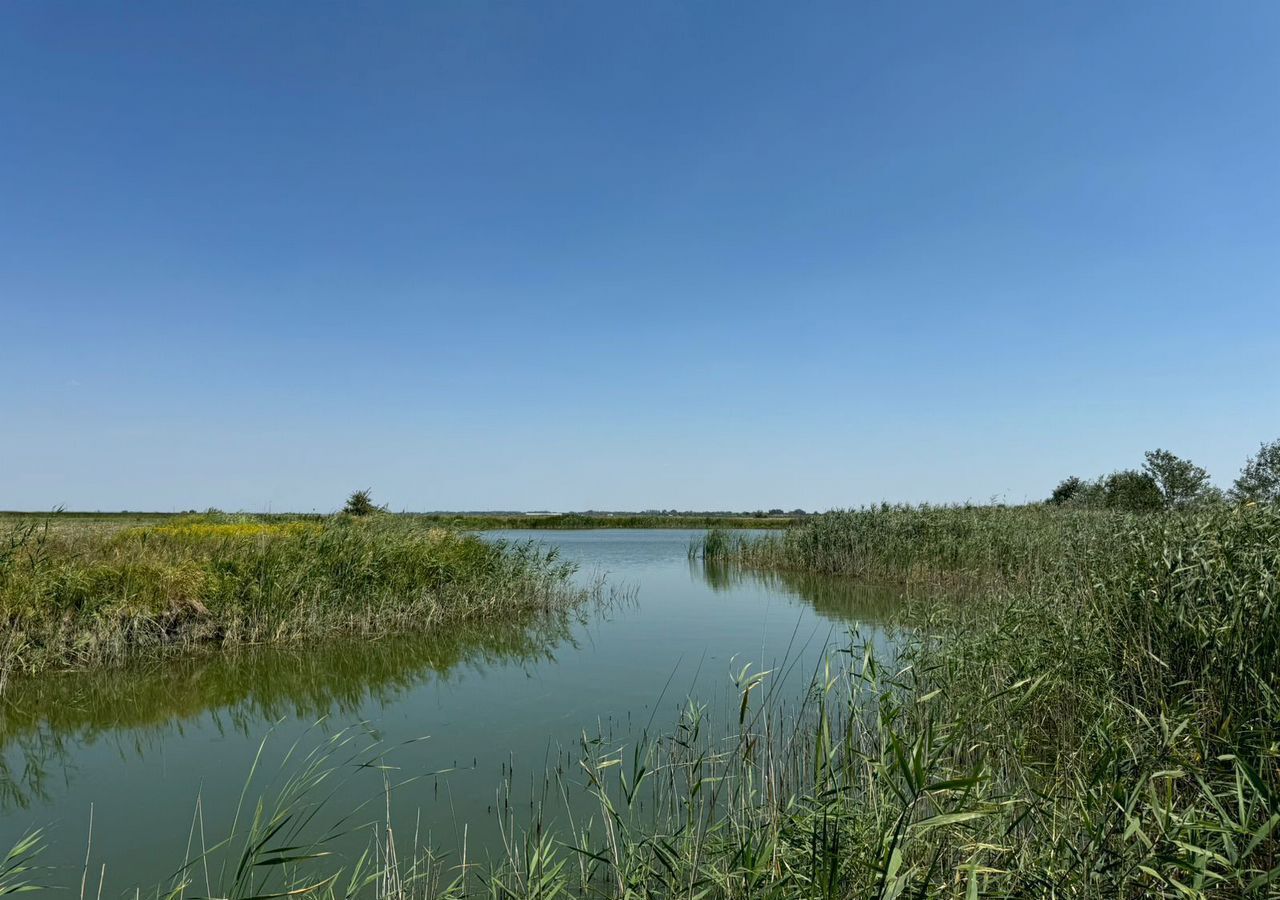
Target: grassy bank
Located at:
point(977, 544)
point(75, 594)
point(1101, 719)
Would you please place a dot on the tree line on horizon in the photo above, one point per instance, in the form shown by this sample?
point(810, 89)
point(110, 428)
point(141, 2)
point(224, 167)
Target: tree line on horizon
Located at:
point(1167, 481)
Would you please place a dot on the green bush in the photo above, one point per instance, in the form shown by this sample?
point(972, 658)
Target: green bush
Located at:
point(1259, 480)
point(1132, 490)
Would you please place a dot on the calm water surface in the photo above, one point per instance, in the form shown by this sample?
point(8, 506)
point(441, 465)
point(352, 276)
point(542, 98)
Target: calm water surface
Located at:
point(139, 746)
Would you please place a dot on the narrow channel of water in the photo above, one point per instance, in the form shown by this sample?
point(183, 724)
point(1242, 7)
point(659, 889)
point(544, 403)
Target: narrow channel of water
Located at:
point(138, 746)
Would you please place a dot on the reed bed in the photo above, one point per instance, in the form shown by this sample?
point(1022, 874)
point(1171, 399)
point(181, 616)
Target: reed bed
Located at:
point(979, 544)
point(74, 596)
point(1101, 721)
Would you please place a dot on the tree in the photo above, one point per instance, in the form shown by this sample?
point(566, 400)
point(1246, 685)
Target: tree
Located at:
point(1067, 489)
point(360, 503)
point(1259, 480)
point(1091, 494)
point(1132, 490)
point(1181, 481)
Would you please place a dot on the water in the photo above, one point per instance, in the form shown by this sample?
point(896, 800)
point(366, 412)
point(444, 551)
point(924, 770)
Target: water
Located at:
point(135, 748)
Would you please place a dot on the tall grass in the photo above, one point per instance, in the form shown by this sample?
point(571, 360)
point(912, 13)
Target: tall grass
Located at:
point(75, 596)
point(1102, 715)
point(956, 543)
point(1098, 719)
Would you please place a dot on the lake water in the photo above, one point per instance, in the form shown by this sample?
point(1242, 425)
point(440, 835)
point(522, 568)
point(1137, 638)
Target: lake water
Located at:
point(135, 748)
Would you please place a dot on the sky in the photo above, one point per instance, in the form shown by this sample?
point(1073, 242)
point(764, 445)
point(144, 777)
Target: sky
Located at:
point(573, 255)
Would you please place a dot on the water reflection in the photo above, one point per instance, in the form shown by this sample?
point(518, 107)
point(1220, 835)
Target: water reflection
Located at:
point(840, 600)
point(47, 724)
point(44, 721)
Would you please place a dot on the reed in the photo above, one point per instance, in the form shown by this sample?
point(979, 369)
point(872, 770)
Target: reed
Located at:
point(927, 543)
point(1100, 718)
point(74, 596)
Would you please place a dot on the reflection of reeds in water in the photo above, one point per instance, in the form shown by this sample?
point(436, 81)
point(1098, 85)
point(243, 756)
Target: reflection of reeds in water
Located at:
point(43, 719)
point(796, 797)
point(837, 599)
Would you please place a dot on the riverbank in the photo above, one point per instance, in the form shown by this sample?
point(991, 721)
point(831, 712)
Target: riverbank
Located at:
point(1100, 718)
point(933, 545)
point(77, 593)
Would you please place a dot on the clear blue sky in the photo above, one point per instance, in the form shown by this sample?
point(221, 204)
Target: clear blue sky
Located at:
point(627, 255)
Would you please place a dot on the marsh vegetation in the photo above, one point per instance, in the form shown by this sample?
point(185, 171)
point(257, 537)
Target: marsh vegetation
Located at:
point(1094, 716)
point(1098, 719)
point(1078, 700)
point(76, 593)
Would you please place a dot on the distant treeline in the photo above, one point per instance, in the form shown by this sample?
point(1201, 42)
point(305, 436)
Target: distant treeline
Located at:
point(472, 521)
point(1167, 481)
point(485, 522)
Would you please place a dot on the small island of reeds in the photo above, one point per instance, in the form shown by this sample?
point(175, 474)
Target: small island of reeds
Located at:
point(80, 591)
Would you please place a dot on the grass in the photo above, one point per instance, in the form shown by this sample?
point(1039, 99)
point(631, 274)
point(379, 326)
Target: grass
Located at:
point(976, 544)
point(76, 594)
point(1100, 719)
point(1097, 717)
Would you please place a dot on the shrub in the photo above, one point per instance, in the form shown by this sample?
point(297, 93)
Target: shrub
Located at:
point(1067, 489)
point(1259, 480)
point(1132, 490)
point(360, 503)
